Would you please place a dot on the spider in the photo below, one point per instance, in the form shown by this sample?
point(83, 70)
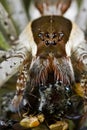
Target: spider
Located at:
point(51, 58)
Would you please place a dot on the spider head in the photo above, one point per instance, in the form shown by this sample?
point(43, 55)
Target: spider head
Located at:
point(51, 34)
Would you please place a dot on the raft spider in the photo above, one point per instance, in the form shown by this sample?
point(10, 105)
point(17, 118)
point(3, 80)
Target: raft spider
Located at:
point(51, 58)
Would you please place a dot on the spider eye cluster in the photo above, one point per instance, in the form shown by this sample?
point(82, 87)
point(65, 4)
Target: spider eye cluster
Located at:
point(51, 38)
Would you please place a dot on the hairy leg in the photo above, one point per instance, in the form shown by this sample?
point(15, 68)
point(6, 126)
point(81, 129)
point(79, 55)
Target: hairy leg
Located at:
point(20, 86)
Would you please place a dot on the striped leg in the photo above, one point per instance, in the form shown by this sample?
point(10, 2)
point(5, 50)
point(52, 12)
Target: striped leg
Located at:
point(20, 86)
point(84, 86)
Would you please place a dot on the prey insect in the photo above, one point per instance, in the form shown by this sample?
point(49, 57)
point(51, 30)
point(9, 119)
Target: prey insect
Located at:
point(53, 56)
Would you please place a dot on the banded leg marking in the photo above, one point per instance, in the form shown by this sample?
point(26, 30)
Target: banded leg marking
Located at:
point(20, 86)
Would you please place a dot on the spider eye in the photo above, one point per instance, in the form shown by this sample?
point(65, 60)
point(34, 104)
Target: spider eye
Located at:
point(61, 34)
point(54, 35)
point(47, 43)
point(47, 35)
point(41, 36)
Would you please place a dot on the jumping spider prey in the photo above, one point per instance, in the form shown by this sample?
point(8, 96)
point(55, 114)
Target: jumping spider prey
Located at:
point(53, 70)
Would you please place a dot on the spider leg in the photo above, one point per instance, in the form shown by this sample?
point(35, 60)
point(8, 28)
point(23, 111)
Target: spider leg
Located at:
point(78, 54)
point(24, 49)
point(80, 68)
point(83, 84)
point(20, 86)
point(76, 48)
point(11, 65)
point(82, 74)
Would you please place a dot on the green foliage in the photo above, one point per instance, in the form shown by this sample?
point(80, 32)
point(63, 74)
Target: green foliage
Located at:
point(3, 44)
point(79, 2)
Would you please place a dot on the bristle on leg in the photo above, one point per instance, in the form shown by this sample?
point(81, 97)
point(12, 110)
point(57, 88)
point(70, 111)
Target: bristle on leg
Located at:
point(20, 86)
